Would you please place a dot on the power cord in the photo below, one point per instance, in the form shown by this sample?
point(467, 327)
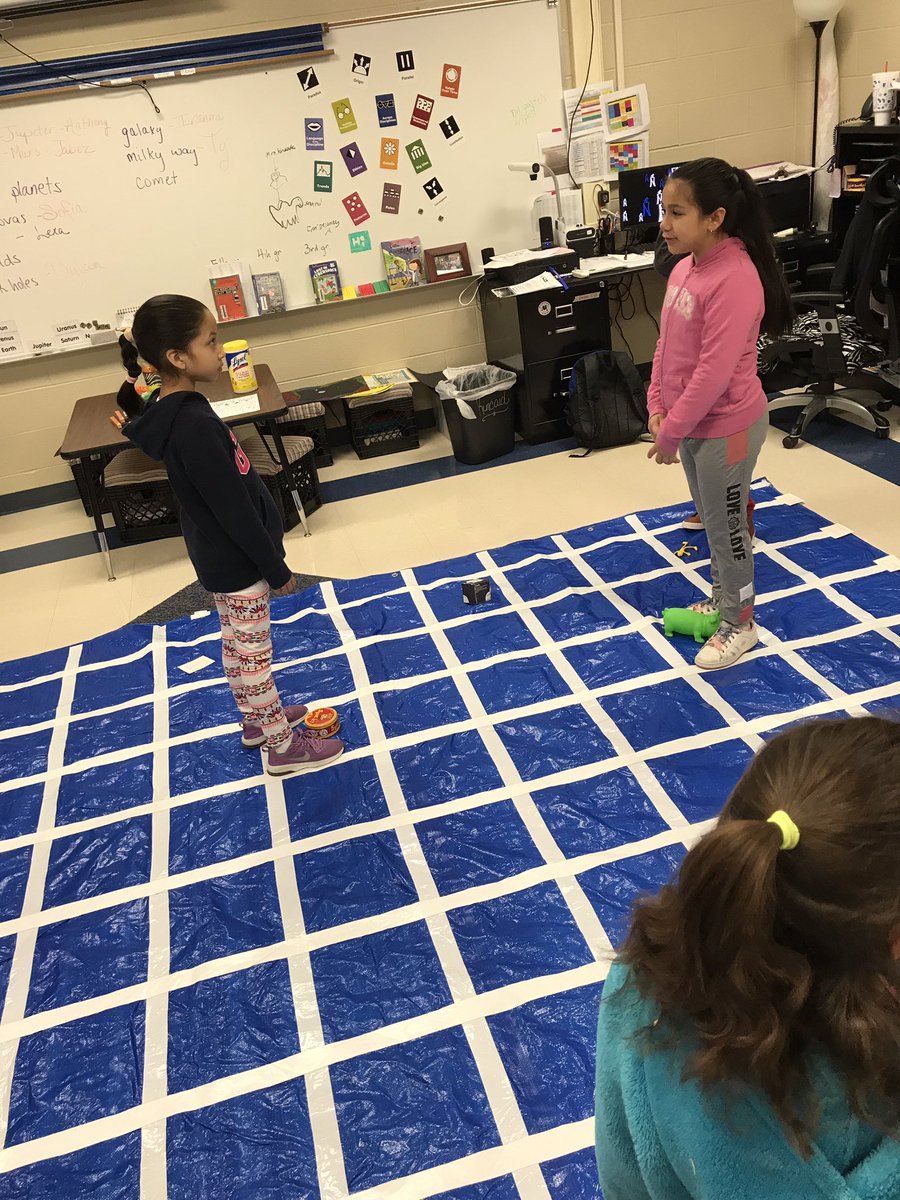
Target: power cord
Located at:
point(475, 290)
point(646, 305)
point(62, 74)
point(587, 76)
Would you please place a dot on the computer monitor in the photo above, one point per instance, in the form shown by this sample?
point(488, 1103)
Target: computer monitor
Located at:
point(640, 195)
point(787, 201)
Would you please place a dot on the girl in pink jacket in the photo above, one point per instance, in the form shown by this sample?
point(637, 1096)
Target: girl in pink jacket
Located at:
point(705, 400)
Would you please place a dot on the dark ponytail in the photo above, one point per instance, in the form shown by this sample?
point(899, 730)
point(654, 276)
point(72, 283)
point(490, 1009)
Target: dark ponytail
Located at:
point(716, 184)
point(767, 956)
point(128, 399)
point(161, 324)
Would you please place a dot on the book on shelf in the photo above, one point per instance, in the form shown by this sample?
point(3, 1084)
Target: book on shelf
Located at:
point(326, 281)
point(228, 297)
point(269, 292)
point(402, 263)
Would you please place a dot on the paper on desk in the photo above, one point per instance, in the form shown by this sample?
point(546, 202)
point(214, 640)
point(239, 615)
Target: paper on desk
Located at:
point(778, 170)
point(539, 283)
point(237, 406)
point(615, 262)
point(520, 256)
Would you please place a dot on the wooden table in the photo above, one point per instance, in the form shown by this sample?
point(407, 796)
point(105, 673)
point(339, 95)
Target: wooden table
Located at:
point(90, 436)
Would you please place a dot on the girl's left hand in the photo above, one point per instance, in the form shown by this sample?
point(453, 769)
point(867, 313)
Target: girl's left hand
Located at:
point(664, 460)
point(119, 420)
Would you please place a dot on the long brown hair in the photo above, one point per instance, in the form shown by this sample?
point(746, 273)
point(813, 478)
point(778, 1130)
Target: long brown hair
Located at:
point(717, 184)
point(769, 956)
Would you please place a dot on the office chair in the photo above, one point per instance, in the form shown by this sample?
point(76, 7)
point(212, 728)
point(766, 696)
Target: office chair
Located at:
point(862, 269)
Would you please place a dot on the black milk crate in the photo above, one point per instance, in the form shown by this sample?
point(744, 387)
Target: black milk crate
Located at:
point(303, 475)
point(307, 420)
point(96, 466)
point(381, 426)
point(141, 500)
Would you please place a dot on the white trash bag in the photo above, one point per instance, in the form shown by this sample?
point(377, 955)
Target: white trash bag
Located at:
point(471, 383)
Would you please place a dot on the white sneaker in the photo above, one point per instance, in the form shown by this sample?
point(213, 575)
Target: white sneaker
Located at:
point(725, 647)
point(704, 606)
point(693, 523)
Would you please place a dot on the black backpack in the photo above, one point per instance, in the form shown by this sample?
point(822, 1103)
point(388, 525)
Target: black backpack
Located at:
point(607, 405)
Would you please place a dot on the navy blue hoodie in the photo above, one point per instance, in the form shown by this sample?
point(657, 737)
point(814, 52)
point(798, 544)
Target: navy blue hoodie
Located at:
point(231, 527)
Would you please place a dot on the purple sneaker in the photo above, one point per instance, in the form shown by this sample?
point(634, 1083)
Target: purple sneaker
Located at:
point(304, 752)
point(253, 734)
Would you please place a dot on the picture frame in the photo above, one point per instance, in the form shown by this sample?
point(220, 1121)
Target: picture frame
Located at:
point(447, 262)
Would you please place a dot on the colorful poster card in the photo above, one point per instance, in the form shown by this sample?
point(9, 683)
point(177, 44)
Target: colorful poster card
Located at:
point(386, 108)
point(418, 156)
point(422, 110)
point(343, 114)
point(356, 209)
point(450, 81)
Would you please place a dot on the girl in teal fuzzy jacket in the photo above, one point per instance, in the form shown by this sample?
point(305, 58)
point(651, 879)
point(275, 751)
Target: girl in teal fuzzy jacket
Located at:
point(749, 1035)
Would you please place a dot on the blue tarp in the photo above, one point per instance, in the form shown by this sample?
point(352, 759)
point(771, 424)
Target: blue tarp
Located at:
point(346, 978)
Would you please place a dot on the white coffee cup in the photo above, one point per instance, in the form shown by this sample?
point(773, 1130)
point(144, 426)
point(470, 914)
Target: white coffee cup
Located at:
point(884, 97)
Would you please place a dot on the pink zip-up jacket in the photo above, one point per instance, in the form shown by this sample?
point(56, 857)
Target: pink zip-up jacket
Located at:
point(704, 377)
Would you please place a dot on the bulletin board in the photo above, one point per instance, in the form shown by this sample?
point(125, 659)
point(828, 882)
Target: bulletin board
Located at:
point(405, 132)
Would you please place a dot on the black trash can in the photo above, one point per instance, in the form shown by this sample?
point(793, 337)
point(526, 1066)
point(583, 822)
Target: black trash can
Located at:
point(479, 409)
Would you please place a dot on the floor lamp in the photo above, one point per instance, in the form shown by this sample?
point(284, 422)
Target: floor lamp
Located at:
point(817, 13)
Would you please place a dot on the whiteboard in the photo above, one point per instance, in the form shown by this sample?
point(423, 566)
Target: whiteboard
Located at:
point(103, 203)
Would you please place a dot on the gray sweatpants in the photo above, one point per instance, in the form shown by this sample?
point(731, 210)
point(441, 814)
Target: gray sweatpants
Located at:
point(719, 472)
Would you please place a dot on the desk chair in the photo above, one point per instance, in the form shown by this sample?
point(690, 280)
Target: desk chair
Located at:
point(858, 290)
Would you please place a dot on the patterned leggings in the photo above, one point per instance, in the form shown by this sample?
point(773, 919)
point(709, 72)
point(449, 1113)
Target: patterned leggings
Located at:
point(247, 659)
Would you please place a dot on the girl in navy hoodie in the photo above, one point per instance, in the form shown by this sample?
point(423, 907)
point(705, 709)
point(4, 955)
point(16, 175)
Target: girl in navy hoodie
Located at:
point(231, 527)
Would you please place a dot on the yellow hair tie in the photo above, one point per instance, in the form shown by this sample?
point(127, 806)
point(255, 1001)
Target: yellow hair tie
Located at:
point(790, 834)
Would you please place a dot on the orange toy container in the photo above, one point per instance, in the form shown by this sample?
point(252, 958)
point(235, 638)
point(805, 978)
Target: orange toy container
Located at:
point(322, 722)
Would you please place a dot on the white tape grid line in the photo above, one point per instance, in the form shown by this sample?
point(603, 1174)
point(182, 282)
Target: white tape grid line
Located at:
point(498, 1089)
point(154, 1178)
point(23, 955)
point(320, 1099)
point(748, 730)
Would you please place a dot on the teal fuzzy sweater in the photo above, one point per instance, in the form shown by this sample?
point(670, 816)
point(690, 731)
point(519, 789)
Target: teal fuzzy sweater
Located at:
point(661, 1139)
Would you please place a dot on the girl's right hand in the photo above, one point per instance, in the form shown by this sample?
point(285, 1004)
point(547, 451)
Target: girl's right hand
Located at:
point(654, 423)
point(289, 588)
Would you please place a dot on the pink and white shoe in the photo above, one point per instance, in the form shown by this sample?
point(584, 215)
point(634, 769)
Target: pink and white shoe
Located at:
point(304, 752)
point(253, 734)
